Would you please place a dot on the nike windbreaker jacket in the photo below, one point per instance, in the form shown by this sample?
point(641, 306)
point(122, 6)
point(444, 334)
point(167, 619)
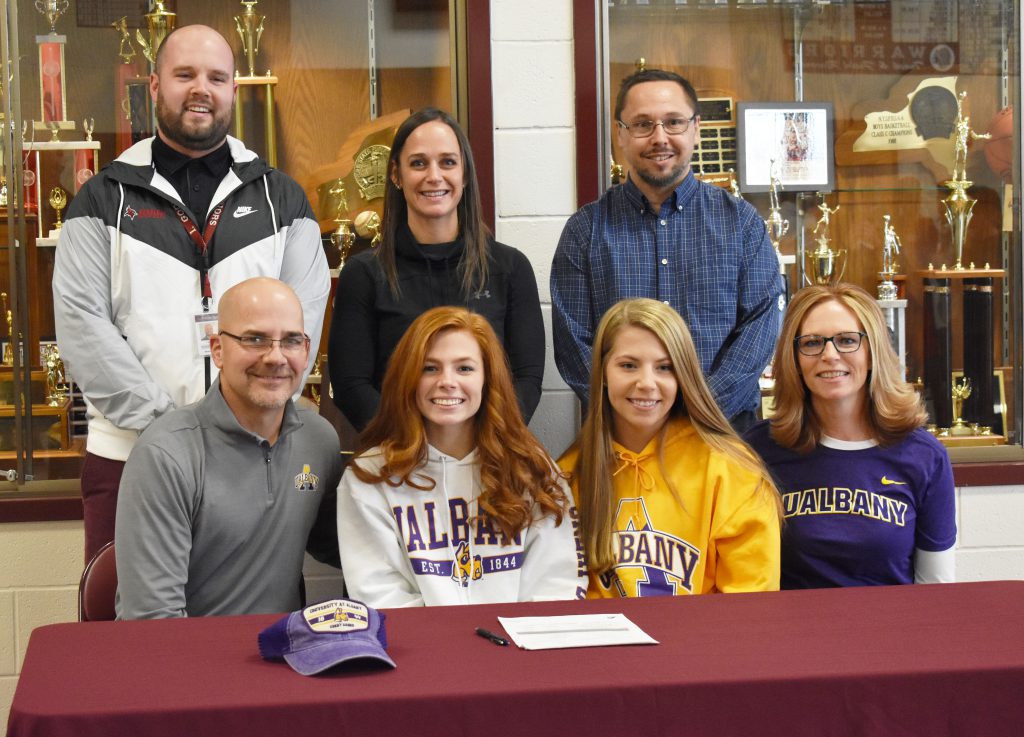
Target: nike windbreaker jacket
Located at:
point(127, 288)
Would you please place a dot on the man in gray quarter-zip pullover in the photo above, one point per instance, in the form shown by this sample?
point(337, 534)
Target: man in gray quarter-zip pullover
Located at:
point(219, 499)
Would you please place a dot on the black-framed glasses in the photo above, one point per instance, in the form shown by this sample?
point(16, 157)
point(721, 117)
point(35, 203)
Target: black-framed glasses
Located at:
point(645, 128)
point(814, 345)
point(290, 344)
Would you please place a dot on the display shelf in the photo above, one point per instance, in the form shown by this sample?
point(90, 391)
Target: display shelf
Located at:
point(62, 146)
point(870, 61)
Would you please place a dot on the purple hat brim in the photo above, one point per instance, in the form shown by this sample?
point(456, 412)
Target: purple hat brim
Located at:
point(312, 660)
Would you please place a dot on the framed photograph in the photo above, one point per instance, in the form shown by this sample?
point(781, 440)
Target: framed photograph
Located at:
point(796, 136)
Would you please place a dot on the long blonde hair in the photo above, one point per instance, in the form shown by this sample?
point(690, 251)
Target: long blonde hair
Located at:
point(894, 408)
point(595, 465)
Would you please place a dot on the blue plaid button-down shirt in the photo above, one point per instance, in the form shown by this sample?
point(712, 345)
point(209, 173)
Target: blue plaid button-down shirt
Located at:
point(706, 253)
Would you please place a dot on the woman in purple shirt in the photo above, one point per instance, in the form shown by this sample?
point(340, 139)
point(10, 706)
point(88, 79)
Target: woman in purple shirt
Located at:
point(867, 492)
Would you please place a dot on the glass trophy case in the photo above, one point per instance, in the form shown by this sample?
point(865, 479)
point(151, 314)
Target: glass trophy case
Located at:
point(321, 86)
point(878, 139)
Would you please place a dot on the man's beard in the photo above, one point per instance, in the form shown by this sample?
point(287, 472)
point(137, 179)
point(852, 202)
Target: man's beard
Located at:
point(672, 178)
point(203, 139)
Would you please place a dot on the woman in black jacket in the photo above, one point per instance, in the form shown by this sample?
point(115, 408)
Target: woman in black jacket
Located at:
point(435, 250)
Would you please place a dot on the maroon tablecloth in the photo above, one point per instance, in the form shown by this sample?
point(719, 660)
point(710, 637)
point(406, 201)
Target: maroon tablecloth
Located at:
point(914, 660)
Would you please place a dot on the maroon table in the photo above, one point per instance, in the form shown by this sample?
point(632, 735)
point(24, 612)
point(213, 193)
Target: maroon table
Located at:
point(929, 660)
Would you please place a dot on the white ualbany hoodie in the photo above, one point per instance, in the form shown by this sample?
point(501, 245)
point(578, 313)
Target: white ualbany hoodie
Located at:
point(402, 546)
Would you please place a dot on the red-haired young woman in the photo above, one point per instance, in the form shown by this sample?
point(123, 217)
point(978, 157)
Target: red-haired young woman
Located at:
point(452, 500)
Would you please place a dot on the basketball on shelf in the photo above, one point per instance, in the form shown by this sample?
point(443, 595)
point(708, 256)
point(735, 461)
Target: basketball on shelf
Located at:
point(999, 149)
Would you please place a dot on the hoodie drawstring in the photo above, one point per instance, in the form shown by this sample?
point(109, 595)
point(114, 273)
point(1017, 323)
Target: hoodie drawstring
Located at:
point(273, 213)
point(115, 257)
point(468, 595)
point(643, 479)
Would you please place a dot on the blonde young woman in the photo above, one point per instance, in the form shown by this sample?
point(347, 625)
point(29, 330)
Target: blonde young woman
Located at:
point(670, 500)
point(867, 492)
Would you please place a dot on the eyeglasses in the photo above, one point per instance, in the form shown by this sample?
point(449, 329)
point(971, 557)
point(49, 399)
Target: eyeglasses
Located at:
point(645, 128)
point(290, 344)
point(814, 345)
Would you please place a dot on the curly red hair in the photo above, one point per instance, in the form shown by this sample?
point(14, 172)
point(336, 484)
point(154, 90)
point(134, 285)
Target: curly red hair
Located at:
point(515, 470)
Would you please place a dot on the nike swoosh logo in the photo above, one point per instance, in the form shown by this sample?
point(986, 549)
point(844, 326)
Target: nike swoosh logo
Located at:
point(243, 213)
point(890, 482)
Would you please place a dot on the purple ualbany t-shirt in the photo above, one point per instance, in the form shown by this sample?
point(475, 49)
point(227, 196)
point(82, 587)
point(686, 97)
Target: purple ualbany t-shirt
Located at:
point(854, 517)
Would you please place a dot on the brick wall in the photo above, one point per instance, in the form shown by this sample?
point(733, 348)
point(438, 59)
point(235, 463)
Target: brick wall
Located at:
point(535, 163)
point(39, 574)
point(41, 565)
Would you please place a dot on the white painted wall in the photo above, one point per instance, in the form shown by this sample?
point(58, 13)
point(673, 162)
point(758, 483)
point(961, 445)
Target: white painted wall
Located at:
point(535, 163)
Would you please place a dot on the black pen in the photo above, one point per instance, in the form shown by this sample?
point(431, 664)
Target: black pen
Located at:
point(488, 635)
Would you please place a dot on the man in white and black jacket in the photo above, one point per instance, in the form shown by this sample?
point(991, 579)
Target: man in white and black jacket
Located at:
point(150, 244)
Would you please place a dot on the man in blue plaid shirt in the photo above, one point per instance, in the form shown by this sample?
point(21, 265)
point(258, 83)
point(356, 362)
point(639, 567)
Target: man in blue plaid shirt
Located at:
point(666, 235)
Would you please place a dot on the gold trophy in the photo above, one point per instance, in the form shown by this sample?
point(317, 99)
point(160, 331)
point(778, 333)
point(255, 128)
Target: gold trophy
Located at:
point(250, 27)
point(56, 382)
point(58, 201)
point(958, 214)
point(776, 224)
point(126, 51)
point(159, 22)
point(314, 386)
point(958, 205)
point(823, 261)
point(88, 125)
point(8, 359)
point(961, 391)
point(343, 238)
point(617, 173)
point(734, 189)
point(53, 10)
point(890, 248)
point(368, 226)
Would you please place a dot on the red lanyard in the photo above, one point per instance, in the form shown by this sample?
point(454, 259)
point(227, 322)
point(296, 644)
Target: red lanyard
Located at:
point(202, 242)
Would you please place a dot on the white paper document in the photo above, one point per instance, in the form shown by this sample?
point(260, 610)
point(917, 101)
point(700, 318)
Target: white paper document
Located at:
point(577, 630)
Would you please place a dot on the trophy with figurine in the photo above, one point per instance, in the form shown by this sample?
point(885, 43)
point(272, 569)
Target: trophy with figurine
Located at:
point(250, 28)
point(825, 265)
point(890, 249)
point(159, 22)
point(959, 207)
point(776, 224)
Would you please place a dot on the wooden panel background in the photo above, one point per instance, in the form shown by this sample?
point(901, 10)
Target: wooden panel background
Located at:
point(746, 53)
point(317, 48)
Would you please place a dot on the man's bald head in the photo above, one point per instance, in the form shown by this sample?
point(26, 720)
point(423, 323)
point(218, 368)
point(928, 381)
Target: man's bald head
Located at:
point(258, 295)
point(261, 351)
point(190, 37)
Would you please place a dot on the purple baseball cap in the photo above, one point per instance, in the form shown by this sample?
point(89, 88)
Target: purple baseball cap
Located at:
point(323, 635)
